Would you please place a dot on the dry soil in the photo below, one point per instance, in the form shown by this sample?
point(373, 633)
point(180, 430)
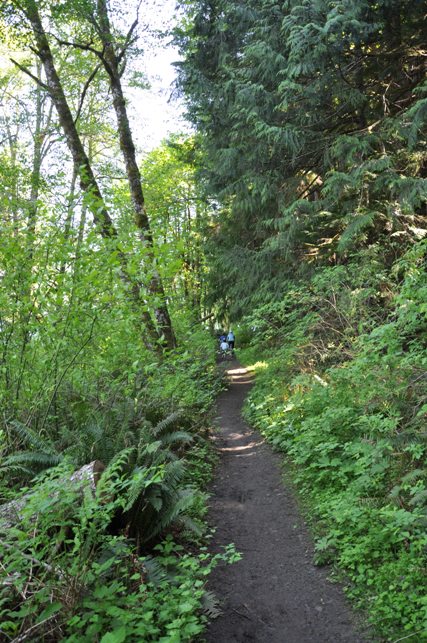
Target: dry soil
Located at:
point(275, 594)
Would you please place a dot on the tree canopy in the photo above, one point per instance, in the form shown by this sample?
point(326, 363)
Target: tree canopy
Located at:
point(313, 116)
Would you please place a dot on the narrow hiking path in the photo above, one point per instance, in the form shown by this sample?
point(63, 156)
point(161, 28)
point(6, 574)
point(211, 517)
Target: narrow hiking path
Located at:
point(274, 594)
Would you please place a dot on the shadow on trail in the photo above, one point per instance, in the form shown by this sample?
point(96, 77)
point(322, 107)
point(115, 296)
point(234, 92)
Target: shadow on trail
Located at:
point(274, 594)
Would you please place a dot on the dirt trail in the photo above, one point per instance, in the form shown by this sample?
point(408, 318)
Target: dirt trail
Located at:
point(274, 594)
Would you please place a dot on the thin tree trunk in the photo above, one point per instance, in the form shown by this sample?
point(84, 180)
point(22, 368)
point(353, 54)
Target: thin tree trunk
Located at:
point(88, 182)
point(36, 171)
point(12, 140)
point(111, 63)
point(27, 267)
point(69, 217)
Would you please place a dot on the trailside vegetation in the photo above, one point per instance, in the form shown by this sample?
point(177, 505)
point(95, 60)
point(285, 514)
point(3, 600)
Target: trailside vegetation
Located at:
point(107, 377)
point(312, 120)
point(342, 393)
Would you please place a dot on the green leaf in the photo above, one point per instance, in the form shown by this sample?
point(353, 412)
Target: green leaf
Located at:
point(49, 611)
point(116, 636)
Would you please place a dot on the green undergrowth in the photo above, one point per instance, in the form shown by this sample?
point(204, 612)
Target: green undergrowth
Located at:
point(127, 560)
point(341, 390)
point(67, 577)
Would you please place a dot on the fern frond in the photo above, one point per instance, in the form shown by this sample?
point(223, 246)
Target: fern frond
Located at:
point(7, 469)
point(155, 571)
point(34, 458)
point(210, 605)
point(30, 437)
point(179, 506)
point(139, 487)
point(152, 448)
point(116, 466)
point(155, 497)
point(174, 473)
point(165, 424)
point(181, 437)
point(419, 499)
point(414, 475)
point(95, 431)
point(186, 522)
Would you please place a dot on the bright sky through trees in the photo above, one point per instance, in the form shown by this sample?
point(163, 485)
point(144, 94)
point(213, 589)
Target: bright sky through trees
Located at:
point(154, 114)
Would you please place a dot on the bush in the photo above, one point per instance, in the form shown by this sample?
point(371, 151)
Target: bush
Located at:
point(354, 427)
point(66, 575)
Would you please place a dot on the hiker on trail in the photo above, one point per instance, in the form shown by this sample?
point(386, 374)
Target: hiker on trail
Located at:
point(224, 346)
point(230, 339)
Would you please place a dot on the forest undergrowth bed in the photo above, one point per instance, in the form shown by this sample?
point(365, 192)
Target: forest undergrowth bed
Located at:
point(341, 390)
point(127, 560)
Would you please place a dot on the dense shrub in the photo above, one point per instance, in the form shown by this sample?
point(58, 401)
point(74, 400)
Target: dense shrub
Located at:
point(66, 576)
point(346, 402)
point(105, 567)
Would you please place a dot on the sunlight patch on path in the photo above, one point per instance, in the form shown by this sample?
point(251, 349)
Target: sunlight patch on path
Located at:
point(237, 371)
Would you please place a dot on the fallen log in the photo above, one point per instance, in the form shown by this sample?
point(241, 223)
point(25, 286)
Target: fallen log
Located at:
point(87, 476)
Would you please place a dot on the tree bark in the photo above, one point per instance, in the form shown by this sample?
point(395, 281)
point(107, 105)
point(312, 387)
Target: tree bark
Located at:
point(36, 170)
point(111, 63)
point(88, 182)
point(32, 208)
point(70, 212)
point(12, 140)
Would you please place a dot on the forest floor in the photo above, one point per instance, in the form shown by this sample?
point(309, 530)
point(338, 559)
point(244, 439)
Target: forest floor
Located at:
point(275, 594)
